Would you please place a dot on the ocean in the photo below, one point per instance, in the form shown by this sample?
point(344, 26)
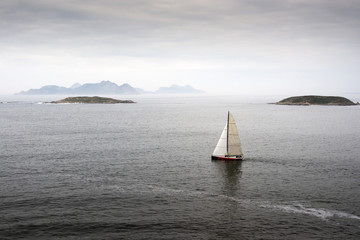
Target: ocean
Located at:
point(144, 170)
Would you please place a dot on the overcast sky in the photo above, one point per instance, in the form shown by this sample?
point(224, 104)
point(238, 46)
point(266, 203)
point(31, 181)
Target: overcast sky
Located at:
point(221, 46)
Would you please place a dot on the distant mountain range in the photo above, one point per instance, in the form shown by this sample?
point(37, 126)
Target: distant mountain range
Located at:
point(107, 87)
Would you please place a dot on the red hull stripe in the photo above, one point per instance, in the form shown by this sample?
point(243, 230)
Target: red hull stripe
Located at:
point(225, 158)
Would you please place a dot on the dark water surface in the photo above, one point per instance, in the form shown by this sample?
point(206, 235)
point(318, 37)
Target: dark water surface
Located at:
point(143, 171)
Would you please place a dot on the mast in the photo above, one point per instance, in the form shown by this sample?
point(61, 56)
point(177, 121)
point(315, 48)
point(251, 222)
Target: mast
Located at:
point(227, 134)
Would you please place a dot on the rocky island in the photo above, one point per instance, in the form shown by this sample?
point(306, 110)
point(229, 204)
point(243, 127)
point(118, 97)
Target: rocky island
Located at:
point(316, 100)
point(95, 99)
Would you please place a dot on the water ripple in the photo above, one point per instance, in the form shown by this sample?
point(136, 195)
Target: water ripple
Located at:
point(287, 207)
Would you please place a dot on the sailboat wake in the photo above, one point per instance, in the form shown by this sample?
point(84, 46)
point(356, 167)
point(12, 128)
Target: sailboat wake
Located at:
point(316, 212)
point(298, 208)
point(288, 207)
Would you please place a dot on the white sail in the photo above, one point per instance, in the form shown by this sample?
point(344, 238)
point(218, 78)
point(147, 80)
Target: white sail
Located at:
point(221, 147)
point(229, 145)
point(233, 140)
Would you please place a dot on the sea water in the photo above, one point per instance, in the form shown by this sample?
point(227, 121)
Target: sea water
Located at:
point(143, 171)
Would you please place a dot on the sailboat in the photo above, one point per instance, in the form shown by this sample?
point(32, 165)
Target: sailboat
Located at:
point(228, 146)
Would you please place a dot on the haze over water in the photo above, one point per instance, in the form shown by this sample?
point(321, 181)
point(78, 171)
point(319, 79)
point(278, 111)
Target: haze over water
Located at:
point(143, 171)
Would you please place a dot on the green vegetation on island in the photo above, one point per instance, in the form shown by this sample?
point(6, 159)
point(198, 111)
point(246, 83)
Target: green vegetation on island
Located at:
point(94, 99)
point(316, 100)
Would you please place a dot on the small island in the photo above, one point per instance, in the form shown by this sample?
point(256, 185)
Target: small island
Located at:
point(94, 99)
point(316, 100)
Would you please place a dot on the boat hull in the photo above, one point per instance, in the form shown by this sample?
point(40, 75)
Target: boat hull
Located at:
point(235, 158)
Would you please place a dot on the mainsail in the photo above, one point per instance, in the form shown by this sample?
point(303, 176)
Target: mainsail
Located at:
point(234, 145)
point(229, 142)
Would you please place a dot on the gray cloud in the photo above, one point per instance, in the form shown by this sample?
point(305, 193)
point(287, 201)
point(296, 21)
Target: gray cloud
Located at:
point(178, 20)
